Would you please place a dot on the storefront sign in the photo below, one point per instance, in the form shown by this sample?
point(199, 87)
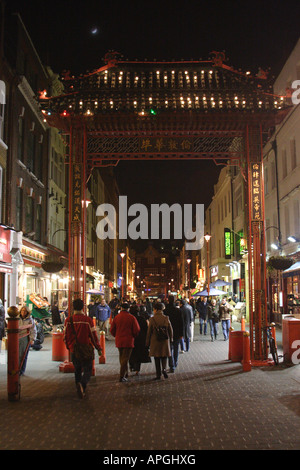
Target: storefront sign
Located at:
point(256, 191)
point(214, 271)
point(5, 255)
point(228, 243)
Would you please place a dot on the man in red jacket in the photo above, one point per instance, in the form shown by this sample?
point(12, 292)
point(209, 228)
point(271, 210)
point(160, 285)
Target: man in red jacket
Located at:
point(86, 334)
point(124, 328)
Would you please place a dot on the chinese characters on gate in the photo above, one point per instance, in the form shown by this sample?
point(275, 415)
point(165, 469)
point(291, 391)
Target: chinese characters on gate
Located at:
point(256, 191)
point(76, 193)
point(161, 144)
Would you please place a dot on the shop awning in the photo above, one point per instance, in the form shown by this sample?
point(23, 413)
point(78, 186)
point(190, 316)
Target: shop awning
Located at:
point(295, 268)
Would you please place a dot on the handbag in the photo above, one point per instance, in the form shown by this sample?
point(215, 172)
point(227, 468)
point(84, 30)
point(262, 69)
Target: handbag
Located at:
point(82, 352)
point(161, 332)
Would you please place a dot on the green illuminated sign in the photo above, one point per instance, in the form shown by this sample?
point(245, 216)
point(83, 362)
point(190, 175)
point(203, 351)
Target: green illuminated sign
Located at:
point(227, 241)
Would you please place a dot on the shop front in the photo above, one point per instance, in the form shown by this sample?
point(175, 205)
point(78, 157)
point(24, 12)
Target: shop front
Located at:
point(291, 282)
point(32, 278)
point(5, 266)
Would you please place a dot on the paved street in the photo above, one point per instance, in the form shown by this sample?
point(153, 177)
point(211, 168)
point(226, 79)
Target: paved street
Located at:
point(208, 404)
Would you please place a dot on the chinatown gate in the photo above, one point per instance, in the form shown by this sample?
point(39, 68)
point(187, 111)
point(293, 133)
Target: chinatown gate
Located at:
point(143, 110)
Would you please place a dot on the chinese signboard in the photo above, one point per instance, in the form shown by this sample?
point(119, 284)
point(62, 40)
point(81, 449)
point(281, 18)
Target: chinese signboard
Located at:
point(166, 144)
point(256, 191)
point(76, 193)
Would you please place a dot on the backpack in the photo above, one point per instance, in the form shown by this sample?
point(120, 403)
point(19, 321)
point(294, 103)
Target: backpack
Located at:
point(161, 332)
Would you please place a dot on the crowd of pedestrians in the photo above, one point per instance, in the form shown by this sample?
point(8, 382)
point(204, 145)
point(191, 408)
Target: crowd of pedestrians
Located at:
point(142, 330)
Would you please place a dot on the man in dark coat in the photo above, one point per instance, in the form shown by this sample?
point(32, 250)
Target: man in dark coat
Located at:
point(187, 314)
point(56, 320)
point(176, 319)
point(140, 352)
point(202, 309)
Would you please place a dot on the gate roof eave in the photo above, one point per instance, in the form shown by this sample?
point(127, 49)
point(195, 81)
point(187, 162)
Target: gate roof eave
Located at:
point(168, 122)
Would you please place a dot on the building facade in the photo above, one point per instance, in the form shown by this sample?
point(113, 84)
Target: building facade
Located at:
point(282, 196)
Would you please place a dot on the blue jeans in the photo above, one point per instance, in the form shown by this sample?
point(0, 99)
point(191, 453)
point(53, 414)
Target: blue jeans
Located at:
point(213, 328)
point(83, 371)
point(173, 359)
point(225, 328)
point(202, 321)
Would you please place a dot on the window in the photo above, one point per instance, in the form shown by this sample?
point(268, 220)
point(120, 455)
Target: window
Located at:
point(19, 208)
point(38, 228)
point(293, 154)
point(287, 221)
point(296, 218)
point(29, 215)
point(238, 201)
point(273, 175)
point(284, 164)
point(38, 164)
point(266, 181)
point(21, 139)
point(31, 146)
point(1, 177)
point(2, 105)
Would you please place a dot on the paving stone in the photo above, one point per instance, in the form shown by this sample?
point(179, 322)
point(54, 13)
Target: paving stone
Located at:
point(209, 403)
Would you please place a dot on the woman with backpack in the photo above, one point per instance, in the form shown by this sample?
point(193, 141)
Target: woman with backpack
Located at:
point(159, 336)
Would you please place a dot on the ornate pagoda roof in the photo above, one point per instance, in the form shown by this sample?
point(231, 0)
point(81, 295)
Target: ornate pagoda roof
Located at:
point(122, 93)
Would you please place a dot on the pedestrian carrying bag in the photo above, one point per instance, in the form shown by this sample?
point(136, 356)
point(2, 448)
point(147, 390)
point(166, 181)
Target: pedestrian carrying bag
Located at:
point(82, 352)
point(161, 332)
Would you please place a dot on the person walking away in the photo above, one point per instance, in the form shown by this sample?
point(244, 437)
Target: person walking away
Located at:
point(37, 344)
point(225, 310)
point(202, 309)
point(103, 314)
point(125, 329)
point(140, 352)
point(175, 316)
point(193, 306)
point(26, 320)
point(114, 305)
point(159, 348)
point(213, 319)
point(187, 320)
point(56, 320)
point(79, 328)
point(149, 308)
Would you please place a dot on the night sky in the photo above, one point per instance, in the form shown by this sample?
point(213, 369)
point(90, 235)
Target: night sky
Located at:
point(75, 36)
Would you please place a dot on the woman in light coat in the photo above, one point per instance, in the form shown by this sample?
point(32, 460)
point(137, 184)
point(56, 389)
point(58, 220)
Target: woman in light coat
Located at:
point(159, 349)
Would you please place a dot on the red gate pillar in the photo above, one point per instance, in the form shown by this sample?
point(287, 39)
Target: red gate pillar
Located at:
point(13, 375)
point(77, 221)
point(256, 245)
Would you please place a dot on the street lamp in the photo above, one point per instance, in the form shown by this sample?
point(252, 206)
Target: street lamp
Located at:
point(189, 262)
point(207, 238)
point(122, 254)
point(133, 271)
